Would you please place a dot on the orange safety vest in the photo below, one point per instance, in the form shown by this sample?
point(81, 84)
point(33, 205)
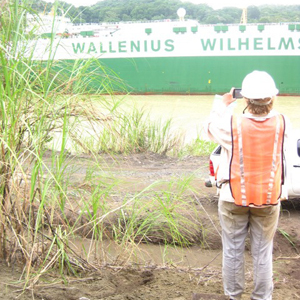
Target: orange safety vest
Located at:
point(256, 167)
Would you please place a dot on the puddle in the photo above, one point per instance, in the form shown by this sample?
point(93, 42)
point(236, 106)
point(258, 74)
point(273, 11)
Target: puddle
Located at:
point(109, 252)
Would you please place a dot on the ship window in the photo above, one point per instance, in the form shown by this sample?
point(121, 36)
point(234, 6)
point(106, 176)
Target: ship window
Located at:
point(148, 30)
point(224, 28)
point(298, 27)
point(89, 33)
point(194, 29)
point(179, 29)
point(217, 28)
point(292, 27)
point(261, 27)
point(242, 28)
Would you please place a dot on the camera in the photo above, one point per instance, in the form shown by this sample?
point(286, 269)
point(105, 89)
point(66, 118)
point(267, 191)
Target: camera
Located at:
point(237, 94)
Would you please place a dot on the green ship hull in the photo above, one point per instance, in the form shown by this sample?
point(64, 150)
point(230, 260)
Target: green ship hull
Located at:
point(192, 75)
point(203, 75)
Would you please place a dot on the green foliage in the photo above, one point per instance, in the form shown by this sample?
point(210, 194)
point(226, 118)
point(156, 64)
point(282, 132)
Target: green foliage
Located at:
point(139, 10)
point(279, 13)
point(253, 13)
point(198, 147)
point(164, 217)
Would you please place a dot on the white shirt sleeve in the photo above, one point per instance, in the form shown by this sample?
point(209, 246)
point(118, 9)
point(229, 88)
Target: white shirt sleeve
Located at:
point(218, 129)
point(218, 125)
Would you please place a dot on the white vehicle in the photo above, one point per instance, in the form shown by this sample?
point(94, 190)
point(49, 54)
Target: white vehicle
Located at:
point(292, 166)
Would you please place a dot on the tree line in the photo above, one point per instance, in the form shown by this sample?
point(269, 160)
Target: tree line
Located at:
point(142, 10)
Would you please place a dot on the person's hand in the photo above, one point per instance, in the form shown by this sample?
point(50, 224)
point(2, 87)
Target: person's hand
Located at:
point(228, 98)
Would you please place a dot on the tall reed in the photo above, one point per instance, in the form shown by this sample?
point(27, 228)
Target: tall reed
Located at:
point(133, 132)
point(37, 106)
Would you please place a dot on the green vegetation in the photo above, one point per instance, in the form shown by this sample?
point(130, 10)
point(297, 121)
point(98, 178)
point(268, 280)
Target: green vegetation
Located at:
point(198, 147)
point(34, 108)
point(132, 132)
point(46, 114)
point(164, 217)
point(288, 238)
point(139, 10)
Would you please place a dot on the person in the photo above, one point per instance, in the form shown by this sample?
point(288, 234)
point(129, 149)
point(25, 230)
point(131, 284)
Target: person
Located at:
point(251, 181)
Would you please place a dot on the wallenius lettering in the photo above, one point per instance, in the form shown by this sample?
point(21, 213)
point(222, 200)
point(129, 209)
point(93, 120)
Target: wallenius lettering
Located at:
point(123, 46)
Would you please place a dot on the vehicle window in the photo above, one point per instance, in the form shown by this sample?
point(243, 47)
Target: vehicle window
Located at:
point(218, 150)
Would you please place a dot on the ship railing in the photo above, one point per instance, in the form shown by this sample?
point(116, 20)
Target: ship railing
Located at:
point(134, 22)
point(77, 25)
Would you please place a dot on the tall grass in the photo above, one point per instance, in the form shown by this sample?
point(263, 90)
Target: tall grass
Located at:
point(197, 147)
point(46, 113)
point(132, 132)
point(35, 108)
point(162, 213)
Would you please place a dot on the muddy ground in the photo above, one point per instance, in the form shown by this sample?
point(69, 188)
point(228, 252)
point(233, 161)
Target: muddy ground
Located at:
point(201, 280)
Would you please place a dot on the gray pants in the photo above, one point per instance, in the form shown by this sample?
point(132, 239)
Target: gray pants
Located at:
point(262, 224)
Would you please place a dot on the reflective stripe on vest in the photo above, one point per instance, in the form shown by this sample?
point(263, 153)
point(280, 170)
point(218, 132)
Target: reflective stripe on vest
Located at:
point(256, 163)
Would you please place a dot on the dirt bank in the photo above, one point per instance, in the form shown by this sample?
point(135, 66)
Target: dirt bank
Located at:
point(176, 279)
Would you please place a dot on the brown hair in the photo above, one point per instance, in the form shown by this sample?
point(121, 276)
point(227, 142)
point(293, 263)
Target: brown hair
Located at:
point(257, 109)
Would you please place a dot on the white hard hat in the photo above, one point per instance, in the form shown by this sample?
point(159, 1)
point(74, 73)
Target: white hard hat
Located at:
point(258, 85)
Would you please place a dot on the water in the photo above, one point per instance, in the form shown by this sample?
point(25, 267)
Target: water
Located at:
point(189, 112)
point(186, 112)
point(146, 254)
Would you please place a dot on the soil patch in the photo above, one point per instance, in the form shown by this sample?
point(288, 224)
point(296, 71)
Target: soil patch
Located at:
point(200, 279)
